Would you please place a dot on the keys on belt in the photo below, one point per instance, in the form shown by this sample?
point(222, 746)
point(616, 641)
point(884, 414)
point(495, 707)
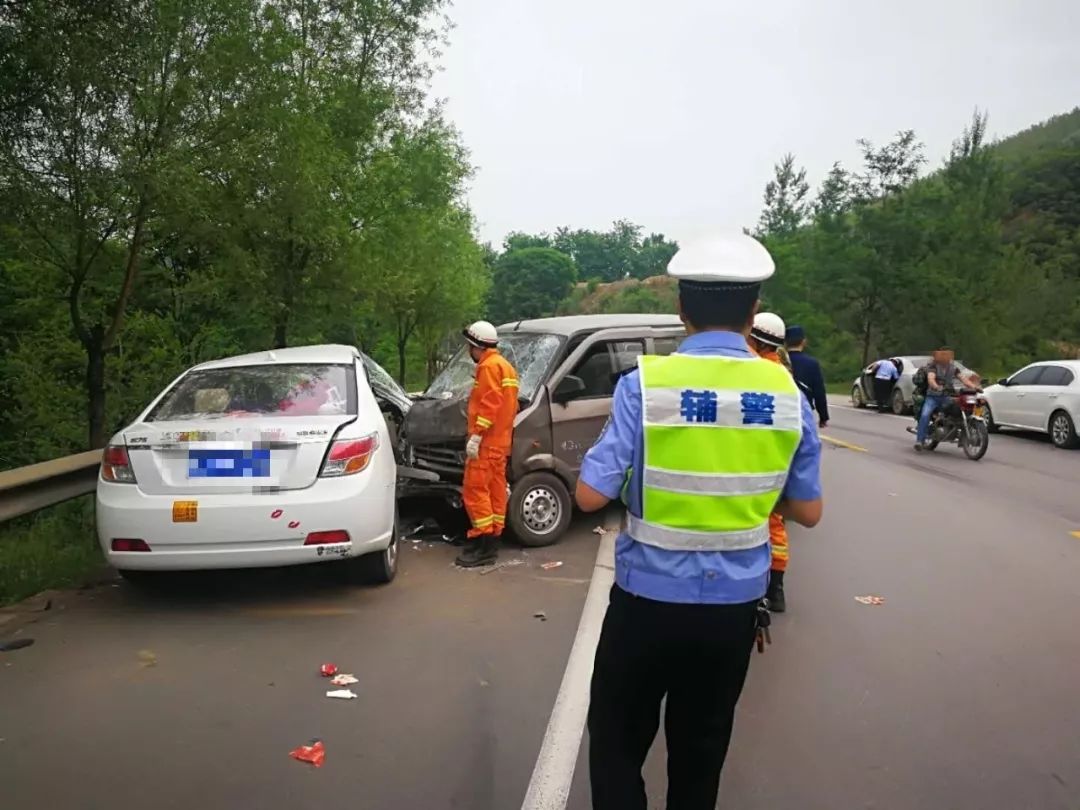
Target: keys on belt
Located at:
point(764, 619)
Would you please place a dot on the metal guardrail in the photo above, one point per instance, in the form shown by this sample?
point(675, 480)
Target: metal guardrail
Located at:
point(27, 489)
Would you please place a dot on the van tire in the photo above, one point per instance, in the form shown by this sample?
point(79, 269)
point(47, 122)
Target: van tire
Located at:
point(539, 509)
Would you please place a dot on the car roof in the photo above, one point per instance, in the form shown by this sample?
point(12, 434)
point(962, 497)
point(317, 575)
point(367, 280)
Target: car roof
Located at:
point(1070, 364)
point(572, 324)
point(329, 354)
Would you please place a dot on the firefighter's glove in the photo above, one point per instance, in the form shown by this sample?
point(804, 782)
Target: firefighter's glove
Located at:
point(472, 448)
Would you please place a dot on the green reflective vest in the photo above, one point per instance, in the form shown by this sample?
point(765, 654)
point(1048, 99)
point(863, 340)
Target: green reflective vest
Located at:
point(720, 434)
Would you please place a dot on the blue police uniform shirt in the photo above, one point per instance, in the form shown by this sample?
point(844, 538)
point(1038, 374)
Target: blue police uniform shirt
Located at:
point(695, 577)
point(886, 370)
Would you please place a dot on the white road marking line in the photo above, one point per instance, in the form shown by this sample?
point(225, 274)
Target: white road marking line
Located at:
point(549, 787)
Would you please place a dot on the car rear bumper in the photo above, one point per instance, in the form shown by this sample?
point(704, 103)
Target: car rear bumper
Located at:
point(245, 530)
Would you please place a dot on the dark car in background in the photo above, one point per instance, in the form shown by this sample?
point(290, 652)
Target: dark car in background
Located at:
point(567, 368)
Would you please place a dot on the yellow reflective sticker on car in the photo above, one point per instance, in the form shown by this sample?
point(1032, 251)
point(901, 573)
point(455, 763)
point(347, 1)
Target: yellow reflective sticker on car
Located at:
point(185, 511)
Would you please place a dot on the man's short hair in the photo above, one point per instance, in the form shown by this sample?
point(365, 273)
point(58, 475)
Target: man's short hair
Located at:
point(718, 306)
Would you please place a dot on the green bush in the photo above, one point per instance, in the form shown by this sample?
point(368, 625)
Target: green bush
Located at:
point(53, 548)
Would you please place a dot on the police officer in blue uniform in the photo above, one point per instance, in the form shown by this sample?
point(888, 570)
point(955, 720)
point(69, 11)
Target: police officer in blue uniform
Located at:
point(700, 447)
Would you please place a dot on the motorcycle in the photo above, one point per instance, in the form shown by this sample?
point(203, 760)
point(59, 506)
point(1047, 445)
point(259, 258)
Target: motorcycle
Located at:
point(962, 421)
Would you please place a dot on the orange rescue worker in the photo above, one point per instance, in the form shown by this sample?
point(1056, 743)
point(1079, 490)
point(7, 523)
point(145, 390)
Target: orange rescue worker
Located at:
point(767, 339)
point(493, 404)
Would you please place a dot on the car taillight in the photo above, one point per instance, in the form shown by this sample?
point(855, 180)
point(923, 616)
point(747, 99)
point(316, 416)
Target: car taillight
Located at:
point(128, 544)
point(322, 538)
point(350, 456)
point(116, 466)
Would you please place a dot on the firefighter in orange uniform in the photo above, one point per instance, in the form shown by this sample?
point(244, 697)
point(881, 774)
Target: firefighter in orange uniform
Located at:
point(767, 338)
point(493, 404)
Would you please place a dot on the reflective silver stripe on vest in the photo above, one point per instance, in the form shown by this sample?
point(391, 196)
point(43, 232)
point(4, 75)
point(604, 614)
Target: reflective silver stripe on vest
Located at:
point(714, 483)
point(664, 406)
point(684, 540)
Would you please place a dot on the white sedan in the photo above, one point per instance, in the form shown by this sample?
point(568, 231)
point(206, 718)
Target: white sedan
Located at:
point(1043, 397)
point(277, 458)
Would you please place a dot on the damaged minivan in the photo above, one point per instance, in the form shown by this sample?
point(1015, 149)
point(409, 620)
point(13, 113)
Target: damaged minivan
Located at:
point(567, 369)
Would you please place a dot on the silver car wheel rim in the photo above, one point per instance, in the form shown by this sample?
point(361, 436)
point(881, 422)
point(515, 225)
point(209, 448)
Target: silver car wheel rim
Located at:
point(1061, 430)
point(541, 510)
point(856, 397)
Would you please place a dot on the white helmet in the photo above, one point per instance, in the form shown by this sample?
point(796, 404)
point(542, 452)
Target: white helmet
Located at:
point(733, 258)
point(768, 328)
point(482, 334)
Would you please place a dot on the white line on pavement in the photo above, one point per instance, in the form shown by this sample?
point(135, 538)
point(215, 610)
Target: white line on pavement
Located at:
point(549, 787)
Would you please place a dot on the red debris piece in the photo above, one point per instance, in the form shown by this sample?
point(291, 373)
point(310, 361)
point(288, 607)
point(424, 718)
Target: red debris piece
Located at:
point(328, 670)
point(313, 752)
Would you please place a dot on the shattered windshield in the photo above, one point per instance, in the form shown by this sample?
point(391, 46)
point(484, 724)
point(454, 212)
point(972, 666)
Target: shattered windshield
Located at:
point(530, 354)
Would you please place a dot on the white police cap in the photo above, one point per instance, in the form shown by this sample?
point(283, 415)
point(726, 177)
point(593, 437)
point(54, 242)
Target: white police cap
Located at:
point(733, 258)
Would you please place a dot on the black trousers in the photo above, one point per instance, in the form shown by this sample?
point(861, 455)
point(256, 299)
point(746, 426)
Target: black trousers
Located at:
point(882, 389)
point(696, 656)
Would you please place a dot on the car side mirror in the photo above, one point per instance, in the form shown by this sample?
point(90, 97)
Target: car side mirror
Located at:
point(569, 388)
point(1003, 381)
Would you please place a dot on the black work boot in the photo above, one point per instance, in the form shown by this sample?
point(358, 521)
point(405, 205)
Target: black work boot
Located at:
point(468, 557)
point(479, 551)
point(775, 593)
point(489, 549)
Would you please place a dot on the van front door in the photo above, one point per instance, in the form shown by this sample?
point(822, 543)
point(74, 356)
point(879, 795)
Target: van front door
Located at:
point(578, 417)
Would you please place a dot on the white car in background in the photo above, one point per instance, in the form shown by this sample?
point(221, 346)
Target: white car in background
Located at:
point(276, 458)
point(1043, 397)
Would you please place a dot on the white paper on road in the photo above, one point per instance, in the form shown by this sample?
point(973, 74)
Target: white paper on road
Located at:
point(342, 694)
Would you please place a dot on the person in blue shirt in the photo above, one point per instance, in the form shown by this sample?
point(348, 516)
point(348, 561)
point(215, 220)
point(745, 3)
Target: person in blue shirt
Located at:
point(886, 373)
point(807, 371)
point(681, 624)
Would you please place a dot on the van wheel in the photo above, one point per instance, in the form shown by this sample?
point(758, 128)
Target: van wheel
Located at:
point(539, 509)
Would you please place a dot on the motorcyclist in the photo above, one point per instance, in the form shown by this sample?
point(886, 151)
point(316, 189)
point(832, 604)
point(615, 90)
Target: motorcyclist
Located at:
point(944, 376)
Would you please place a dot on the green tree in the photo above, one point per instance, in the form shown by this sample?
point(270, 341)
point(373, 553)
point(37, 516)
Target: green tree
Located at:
point(530, 283)
point(786, 205)
point(90, 152)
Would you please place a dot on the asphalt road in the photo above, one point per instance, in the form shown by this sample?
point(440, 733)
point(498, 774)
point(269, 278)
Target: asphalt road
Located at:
point(960, 691)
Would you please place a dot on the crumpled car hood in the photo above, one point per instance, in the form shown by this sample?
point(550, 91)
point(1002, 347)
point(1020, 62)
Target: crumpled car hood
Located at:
point(432, 421)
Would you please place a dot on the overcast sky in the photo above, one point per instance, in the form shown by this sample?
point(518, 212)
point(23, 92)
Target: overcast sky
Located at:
point(672, 113)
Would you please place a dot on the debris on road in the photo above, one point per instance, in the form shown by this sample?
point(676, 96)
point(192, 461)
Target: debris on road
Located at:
point(17, 644)
point(599, 530)
point(328, 670)
point(870, 600)
point(314, 752)
point(342, 694)
point(490, 569)
point(548, 566)
point(147, 658)
point(427, 530)
point(344, 679)
point(540, 615)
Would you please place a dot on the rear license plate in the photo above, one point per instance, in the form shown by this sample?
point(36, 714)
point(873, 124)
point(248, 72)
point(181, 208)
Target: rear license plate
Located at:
point(185, 512)
point(230, 463)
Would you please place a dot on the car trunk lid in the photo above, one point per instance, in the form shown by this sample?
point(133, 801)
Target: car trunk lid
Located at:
point(196, 457)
